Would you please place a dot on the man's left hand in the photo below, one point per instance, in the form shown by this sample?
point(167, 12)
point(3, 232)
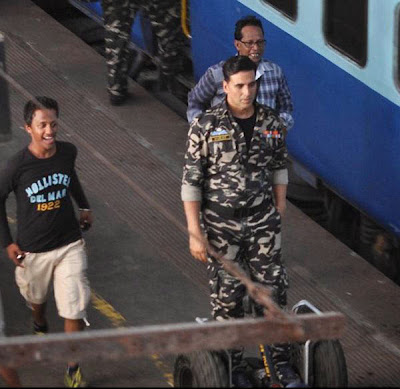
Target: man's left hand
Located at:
point(85, 219)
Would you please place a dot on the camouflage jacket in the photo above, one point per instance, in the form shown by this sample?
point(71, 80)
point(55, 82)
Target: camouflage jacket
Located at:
point(218, 167)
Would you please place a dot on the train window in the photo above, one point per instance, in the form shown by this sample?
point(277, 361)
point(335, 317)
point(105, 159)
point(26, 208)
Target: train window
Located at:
point(345, 27)
point(287, 7)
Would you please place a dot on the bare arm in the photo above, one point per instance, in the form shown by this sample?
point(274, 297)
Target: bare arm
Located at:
point(280, 197)
point(15, 254)
point(13, 250)
point(197, 239)
point(85, 219)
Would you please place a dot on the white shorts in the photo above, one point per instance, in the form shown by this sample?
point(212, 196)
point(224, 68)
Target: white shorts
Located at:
point(67, 266)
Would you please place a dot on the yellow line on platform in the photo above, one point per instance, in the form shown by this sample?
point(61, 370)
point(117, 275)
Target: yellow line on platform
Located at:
point(163, 368)
point(107, 310)
point(118, 320)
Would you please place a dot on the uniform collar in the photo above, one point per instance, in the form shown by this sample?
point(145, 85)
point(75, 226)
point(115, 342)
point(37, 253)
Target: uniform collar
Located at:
point(223, 105)
point(239, 135)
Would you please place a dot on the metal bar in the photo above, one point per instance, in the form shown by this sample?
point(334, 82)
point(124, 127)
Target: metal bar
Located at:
point(131, 342)
point(184, 18)
point(5, 120)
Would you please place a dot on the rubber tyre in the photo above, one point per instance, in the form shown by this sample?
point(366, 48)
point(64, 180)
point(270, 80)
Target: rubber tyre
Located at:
point(329, 368)
point(202, 369)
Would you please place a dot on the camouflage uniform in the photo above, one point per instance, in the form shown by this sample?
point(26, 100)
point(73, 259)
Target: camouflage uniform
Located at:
point(164, 16)
point(219, 170)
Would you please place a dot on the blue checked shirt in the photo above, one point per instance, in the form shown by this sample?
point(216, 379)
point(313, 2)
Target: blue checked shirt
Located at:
point(273, 91)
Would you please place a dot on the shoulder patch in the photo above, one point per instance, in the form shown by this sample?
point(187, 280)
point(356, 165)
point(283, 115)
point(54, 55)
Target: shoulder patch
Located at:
point(219, 131)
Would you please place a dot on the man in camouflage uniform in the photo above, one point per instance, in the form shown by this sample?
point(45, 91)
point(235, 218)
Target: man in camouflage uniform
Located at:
point(235, 176)
point(164, 16)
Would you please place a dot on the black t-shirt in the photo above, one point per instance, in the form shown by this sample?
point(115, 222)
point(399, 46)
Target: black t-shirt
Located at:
point(247, 126)
point(43, 187)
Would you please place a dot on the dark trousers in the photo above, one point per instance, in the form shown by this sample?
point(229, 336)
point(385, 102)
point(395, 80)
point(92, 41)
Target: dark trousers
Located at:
point(254, 243)
point(164, 16)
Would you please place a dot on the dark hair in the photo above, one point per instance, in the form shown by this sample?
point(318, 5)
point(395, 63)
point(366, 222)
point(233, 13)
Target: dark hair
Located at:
point(236, 64)
point(246, 21)
point(40, 102)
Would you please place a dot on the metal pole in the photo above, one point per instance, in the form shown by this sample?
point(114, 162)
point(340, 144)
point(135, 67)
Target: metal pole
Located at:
point(176, 338)
point(5, 121)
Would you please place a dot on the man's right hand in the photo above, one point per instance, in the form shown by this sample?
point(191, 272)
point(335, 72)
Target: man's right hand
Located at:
point(198, 246)
point(13, 252)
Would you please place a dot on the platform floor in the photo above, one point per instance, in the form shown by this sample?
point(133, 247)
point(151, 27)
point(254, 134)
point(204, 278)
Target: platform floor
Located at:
point(130, 161)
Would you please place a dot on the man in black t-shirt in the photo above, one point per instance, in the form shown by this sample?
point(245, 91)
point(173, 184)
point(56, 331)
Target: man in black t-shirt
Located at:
point(49, 244)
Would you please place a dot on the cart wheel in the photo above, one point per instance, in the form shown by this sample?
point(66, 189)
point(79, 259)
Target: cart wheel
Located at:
point(329, 365)
point(297, 359)
point(202, 369)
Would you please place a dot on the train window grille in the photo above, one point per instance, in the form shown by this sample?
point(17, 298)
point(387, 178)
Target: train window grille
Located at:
point(287, 7)
point(345, 28)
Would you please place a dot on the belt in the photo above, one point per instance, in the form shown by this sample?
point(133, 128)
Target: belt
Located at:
point(237, 213)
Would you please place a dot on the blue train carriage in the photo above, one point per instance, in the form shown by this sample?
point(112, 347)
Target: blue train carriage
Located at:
point(341, 59)
point(342, 64)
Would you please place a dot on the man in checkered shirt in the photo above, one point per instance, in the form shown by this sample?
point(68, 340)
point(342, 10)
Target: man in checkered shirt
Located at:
point(273, 90)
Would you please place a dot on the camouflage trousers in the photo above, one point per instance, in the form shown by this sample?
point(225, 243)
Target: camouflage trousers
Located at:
point(164, 16)
point(254, 243)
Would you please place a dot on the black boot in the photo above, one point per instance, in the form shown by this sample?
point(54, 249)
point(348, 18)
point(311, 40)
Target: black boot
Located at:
point(285, 371)
point(169, 83)
point(118, 98)
point(239, 376)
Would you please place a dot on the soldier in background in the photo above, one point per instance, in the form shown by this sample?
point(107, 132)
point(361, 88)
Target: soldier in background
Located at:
point(235, 177)
point(164, 16)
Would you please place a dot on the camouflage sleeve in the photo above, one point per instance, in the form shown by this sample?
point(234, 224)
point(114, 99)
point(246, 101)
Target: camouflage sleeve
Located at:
point(278, 162)
point(280, 177)
point(194, 168)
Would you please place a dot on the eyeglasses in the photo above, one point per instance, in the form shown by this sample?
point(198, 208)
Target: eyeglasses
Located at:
point(250, 44)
